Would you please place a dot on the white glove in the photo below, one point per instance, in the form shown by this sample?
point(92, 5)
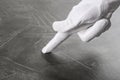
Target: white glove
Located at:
point(93, 15)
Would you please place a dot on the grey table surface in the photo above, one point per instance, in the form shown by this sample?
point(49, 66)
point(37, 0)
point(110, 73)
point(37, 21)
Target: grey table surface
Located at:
point(26, 26)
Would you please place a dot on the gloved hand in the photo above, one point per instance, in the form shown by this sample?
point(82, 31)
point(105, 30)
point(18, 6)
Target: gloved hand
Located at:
point(88, 19)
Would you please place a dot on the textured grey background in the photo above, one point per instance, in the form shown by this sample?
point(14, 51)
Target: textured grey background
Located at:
point(25, 27)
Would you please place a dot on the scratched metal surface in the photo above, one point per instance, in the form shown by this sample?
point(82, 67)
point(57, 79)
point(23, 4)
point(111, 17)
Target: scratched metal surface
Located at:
point(25, 27)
